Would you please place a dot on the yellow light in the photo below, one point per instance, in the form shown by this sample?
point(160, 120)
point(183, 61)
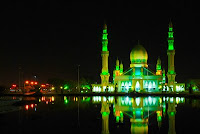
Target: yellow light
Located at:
point(31, 105)
point(26, 82)
point(61, 87)
point(53, 88)
point(52, 98)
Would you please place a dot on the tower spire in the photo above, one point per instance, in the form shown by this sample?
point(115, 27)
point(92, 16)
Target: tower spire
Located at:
point(171, 74)
point(170, 37)
point(121, 68)
point(104, 54)
point(117, 64)
point(158, 67)
point(105, 38)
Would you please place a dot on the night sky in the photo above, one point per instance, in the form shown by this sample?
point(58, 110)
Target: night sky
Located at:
point(50, 38)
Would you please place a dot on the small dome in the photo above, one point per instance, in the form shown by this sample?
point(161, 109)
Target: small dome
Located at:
point(138, 55)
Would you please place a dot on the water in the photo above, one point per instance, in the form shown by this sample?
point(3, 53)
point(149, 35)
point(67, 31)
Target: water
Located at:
point(99, 114)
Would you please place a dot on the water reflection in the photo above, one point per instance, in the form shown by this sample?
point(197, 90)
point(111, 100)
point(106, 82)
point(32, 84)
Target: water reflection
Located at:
point(142, 115)
point(139, 110)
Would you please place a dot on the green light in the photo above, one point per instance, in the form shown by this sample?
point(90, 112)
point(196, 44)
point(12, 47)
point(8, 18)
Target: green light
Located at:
point(170, 40)
point(164, 109)
point(121, 114)
point(172, 113)
point(170, 29)
point(117, 119)
point(171, 72)
point(104, 73)
point(104, 48)
point(105, 31)
point(170, 45)
point(85, 86)
point(104, 40)
point(134, 112)
point(66, 101)
point(121, 70)
point(159, 118)
point(170, 34)
point(117, 67)
point(105, 113)
point(158, 67)
point(66, 86)
point(88, 99)
point(104, 37)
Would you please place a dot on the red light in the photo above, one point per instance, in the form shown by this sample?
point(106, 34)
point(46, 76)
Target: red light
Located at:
point(26, 82)
point(32, 82)
point(42, 85)
point(26, 107)
point(36, 83)
point(32, 105)
point(14, 85)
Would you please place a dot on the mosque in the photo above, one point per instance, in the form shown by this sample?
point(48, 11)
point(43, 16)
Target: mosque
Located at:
point(139, 77)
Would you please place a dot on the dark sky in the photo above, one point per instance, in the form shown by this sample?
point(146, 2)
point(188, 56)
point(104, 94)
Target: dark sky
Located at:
point(50, 38)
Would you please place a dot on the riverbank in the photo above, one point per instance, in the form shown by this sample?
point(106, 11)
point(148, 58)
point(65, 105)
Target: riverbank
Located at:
point(133, 94)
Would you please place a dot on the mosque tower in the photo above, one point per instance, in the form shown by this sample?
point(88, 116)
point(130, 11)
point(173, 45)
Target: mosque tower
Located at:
point(121, 68)
point(158, 67)
point(171, 74)
point(104, 54)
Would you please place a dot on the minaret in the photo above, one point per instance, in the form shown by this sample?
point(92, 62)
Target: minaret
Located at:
point(158, 67)
point(117, 64)
point(171, 74)
point(116, 72)
point(121, 68)
point(104, 54)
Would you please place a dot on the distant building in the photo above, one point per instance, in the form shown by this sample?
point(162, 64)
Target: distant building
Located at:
point(139, 77)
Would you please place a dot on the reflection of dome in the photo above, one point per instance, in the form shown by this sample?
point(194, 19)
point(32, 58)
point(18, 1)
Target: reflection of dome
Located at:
point(138, 55)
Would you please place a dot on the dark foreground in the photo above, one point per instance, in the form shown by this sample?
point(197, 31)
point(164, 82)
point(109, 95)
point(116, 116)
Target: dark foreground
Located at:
point(99, 114)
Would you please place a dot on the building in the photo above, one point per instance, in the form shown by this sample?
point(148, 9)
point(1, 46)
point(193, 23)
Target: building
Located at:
point(138, 77)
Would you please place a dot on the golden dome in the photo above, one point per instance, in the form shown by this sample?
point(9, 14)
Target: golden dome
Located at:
point(138, 55)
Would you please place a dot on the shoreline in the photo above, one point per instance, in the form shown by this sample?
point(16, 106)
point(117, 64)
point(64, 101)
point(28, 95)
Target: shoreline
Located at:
point(172, 94)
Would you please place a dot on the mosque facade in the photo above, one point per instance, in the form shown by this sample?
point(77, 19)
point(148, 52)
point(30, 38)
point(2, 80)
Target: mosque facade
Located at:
point(138, 77)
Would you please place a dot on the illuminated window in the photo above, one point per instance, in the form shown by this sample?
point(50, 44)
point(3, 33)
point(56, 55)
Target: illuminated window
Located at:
point(137, 100)
point(137, 86)
point(154, 85)
point(150, 85)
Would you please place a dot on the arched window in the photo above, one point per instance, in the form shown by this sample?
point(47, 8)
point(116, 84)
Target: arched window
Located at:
point(126, 86)
point(150, 85)
point(137, 86)
point(122, 86)
point(154, 85)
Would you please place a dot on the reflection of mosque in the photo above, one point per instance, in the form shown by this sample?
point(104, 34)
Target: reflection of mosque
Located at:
point(139, 110)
